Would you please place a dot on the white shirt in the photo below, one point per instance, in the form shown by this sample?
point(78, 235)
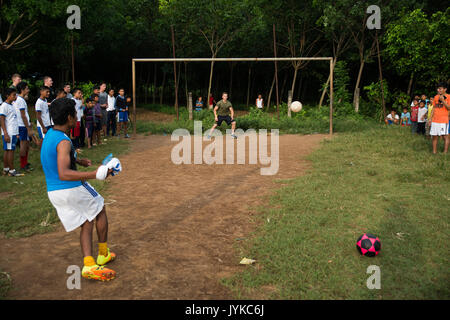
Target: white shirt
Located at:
point(259, 103)
point(42, 106)
point(422, 111)
point(21, 104)
point(9, 112)
point(78, 108)
point(389, 116)
point(111, 103)
point(1, 100)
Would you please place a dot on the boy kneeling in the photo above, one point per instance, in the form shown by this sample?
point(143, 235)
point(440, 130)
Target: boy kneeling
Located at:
point(75, 200)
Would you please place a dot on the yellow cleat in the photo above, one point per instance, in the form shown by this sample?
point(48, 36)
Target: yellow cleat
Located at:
point(102, 260)
point(97, 272)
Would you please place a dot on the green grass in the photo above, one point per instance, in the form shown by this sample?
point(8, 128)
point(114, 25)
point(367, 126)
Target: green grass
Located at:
point(383, 181)
point(5, 284)
point(24, 206)
point(309, 121)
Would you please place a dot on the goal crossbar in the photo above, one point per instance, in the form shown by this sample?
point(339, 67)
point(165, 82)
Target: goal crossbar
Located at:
point(133, 61)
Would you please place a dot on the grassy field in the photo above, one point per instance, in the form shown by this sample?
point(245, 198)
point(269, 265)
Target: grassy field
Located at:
point(25, 208)
point(310, 120)
point(376, 179)
point(383, 181)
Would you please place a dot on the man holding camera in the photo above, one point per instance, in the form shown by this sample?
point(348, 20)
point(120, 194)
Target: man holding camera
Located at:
point(440, 119)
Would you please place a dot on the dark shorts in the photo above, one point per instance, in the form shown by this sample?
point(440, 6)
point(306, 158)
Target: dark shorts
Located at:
point(104, 117)
point(123, 116)
point(11, 145)
point(98, 125)
point(227, 119)
point(89, 129)
point(23, 134)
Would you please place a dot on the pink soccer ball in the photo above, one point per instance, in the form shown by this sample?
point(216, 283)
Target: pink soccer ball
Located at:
point(368, 245)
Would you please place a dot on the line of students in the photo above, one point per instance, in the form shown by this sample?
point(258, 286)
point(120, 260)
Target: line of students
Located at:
point(427, 117)
point(95, 115)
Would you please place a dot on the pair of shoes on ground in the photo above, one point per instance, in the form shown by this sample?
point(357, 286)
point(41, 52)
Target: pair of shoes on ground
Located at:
point(12, 173)
point(99, 271)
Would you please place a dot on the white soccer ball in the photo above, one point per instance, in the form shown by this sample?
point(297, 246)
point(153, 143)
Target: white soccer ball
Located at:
point(296, 106)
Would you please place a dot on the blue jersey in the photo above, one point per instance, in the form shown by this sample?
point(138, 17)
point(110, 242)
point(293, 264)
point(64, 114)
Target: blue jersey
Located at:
point(49, 160)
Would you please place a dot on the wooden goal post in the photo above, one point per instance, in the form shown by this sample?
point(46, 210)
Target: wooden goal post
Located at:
point(133, 68)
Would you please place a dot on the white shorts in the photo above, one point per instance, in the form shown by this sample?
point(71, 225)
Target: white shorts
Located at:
point(439, 129)
point(76, 205)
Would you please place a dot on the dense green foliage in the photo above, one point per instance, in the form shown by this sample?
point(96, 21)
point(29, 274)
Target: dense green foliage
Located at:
point(414, 45)
point(308, 121)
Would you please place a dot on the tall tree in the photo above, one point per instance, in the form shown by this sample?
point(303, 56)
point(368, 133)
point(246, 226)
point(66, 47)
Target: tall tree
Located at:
point(217, 22)
point(414, 43)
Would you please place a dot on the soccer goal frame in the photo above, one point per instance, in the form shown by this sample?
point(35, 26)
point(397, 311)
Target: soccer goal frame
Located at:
point(135, 60)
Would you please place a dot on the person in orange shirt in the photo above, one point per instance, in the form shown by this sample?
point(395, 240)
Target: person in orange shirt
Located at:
point(440, 117)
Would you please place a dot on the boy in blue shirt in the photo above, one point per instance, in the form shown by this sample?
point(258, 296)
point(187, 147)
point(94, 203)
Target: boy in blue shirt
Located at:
point(122, 108)
point(76, 201)
point(405, 118)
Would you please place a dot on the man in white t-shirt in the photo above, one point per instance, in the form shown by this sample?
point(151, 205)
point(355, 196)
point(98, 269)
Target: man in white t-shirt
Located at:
point(23, 121)
point(422, 117)
point(10, 130)
point(42, 113)
point(76, 132)
point(392, 118)
point(111, 122)
point(260, 102)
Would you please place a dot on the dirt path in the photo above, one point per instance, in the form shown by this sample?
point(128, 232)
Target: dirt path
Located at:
point(173, 228)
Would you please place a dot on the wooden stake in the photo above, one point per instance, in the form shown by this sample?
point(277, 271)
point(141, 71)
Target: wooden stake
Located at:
point(331, 95)
point(276, 70)
point(190, 105)
point(133, 69)
point(289, 102)
point(175, 73)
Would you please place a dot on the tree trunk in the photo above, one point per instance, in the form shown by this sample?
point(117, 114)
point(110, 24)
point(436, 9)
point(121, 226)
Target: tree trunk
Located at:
point(270, 94)
point(178, 81)
point(283, 86)
point(154, 85)
point(186, 82)
point(231, 80)
point(410, 84)
point(248, 84)
point(210, 80)
point(324, 92)
point(294, 80)
point(327, 84)
point(357, 90)
point(162, 89)
point(146, 88)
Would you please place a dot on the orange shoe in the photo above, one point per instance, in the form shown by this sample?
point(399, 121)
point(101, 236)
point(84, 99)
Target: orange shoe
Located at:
point(97, 272)
point(102, 260)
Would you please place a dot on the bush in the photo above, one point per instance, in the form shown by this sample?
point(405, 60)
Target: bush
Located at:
point(308, 121)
